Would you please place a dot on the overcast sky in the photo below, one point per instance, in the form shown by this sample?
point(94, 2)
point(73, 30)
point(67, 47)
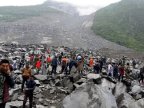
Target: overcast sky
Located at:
point(75, 2)
point(84, 6)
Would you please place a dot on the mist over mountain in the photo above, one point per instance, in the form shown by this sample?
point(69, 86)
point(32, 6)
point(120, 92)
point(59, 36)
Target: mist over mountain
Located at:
point(122, 23)
point(65, 7)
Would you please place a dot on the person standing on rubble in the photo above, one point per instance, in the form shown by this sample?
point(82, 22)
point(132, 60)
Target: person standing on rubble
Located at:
point(54, 65)
point(26, 73)
point(64, 65)
point(29, 89)
point(6, 81)
point(141, 75)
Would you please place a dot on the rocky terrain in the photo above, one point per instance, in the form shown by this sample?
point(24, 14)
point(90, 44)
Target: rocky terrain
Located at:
point(91, 91)
point(75, 90)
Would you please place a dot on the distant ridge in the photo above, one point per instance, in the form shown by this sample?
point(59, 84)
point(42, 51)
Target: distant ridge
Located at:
point(122, 23)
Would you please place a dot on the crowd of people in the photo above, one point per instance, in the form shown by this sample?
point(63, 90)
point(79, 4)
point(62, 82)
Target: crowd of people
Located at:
point(59, 60)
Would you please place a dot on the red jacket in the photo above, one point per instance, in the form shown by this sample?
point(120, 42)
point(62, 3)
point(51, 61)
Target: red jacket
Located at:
point(38, 64)
point(49, 60)
point(121, 70)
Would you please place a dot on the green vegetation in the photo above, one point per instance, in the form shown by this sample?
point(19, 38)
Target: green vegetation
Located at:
point(122, 23)
point(14, 13)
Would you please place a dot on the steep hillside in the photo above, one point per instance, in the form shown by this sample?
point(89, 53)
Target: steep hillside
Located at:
point(41, 24)
point(14, 13)
point(122, 23)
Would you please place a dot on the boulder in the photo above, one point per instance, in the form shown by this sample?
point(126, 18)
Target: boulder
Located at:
point(18, 79)
point(21, 98)
point(40, 77)
point(38, 96)
point(82, 80)
point(41, 106)
point(136, 89)
point(37, 90)
point(124, 100)
point(58, 82)
point(17, 72)
point(74, 77)
point(15, 104)
point(120, 88)
point(137, 104)
point(93, 76)
point(37, 82)
point(13, 91)
point(14, 97)
point(108, 85)
point(90, 96)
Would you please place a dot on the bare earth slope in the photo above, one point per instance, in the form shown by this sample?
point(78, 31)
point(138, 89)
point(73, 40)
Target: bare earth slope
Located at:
point(56, 29)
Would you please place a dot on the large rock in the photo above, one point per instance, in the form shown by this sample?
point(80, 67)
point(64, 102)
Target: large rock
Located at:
point(14, 97)
point(40, 106)
point(136, 92)
point(67, 83)
point(82, 80)
point(137, 104)
point(15, 104)
point(127, 83)
point(17, 72)
point(37, 90)
point(120, 88)
point(37, 82)
point(18, 79)
point(108, 84)
point(21, 98)
point(93, 76)
point(38, 96)
point(90, 96)
point(41, 77)
point(14, 91)
point(74, 77)
point(124, 100)
point(136, 89)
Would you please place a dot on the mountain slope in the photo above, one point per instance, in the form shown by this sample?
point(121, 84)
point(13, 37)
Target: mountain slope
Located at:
point(122, 23)
point(54, 28)
point(14, 13)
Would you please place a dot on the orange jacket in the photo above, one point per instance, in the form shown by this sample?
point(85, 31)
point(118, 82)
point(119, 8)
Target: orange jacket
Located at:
point(91, 62)
point(26, 72)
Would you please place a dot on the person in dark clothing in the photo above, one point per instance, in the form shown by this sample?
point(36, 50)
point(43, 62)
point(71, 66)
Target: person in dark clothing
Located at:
point(115, 71)
point(141, 75)
point(101, 65)
point(21, 64)
point(97, 67)
point(6, 81)
point(60, 58)
point(133, 63)
point(72, 63)
point(30, 86)
point(104, 60)
point(54, 65)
